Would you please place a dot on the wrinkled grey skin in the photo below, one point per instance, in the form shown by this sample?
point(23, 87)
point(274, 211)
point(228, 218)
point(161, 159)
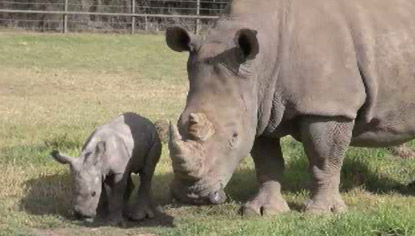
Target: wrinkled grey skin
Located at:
point(101, 174)
point(330, 73)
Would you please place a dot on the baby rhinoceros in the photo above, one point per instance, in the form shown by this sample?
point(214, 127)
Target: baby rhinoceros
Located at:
point(101, 174)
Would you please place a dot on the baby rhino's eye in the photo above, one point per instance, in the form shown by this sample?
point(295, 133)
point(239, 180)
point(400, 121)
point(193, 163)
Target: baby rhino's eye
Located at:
point(93, 194)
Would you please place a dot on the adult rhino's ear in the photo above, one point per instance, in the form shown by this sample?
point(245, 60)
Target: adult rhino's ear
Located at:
point(246, 40)
point(179, 39)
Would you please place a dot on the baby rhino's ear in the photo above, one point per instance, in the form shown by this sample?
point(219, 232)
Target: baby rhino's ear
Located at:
point(98, 155)
point(101, 147)
point(64, 159)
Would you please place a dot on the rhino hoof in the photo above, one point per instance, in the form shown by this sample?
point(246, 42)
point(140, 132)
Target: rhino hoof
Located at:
point(260, 207)
point(335, 206)
point(142, 212)
point(115, 221)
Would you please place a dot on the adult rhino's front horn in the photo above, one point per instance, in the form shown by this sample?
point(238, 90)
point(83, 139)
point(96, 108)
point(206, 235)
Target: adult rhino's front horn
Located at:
point(187, 156)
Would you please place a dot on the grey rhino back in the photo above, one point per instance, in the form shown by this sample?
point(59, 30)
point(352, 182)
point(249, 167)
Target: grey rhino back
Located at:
point(130, 131)
point(354, 59)
point(385, 48)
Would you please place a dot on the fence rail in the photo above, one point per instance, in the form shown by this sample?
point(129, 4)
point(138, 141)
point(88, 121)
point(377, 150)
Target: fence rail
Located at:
point(127, 20)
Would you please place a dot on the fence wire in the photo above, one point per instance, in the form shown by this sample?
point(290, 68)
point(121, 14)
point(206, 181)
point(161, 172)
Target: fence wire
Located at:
point(120, 16)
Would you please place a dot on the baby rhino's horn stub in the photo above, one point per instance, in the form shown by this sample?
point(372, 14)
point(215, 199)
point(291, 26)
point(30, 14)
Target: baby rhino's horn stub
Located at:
point(200, 128)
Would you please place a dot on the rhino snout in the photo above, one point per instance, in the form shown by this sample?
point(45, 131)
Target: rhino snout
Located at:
point(88, 217)
point(217, 198)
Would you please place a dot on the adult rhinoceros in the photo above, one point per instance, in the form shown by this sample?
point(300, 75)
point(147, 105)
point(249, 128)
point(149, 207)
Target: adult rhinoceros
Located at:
point(330, 73)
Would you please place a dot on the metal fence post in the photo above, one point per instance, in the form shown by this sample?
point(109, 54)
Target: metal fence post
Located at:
point(197, 28)
point(133, 17)
point(65, 18)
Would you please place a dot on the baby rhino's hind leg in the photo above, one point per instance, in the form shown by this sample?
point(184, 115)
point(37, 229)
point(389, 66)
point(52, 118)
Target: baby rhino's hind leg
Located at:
point(144, 207)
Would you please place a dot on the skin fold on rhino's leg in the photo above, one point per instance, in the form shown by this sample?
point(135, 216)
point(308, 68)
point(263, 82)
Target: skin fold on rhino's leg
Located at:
point(269, 166)
point(325, 142)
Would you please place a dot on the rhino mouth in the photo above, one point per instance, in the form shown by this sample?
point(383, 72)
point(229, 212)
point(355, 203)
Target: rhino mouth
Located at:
point(85, 218)
point(215, 198)
point(199, 192)
point(212, 198)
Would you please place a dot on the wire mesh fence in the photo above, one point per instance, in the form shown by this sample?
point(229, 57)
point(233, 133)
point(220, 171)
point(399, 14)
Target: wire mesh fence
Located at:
point(120, 16)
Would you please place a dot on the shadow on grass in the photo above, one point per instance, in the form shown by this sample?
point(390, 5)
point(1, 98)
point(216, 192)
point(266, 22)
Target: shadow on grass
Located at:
point(51, 195)
point(356, 172)
point(48, 195)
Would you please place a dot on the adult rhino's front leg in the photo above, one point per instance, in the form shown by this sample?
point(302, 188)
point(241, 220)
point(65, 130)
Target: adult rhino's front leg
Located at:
point(269, 166)
point(325, 142)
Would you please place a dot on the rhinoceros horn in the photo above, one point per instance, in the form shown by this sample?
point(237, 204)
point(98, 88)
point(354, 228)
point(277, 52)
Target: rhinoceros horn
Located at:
point(200, 128)
point(187, 156)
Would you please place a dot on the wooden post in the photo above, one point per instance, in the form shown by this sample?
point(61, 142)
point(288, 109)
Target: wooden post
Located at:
point(65, 18)
point(133, 17)
point(197, 28)
point(146, 23)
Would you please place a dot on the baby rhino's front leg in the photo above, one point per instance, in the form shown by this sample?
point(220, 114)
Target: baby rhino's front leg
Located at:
point(144, 207)
point(115, 188)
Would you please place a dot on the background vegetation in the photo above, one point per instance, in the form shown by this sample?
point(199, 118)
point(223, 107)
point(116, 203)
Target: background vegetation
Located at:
point(55, 89)
point(51, 22)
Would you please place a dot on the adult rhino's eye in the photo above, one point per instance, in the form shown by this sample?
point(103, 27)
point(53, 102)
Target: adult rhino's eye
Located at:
point(209, 61)
point(93, 194)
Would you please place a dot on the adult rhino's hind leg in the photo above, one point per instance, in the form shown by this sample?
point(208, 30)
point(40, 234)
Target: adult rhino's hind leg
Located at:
point(269, 166)
point(325, 142)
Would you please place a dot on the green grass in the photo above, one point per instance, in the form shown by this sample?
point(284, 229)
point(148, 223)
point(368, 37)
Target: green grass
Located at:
point(55, 89)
